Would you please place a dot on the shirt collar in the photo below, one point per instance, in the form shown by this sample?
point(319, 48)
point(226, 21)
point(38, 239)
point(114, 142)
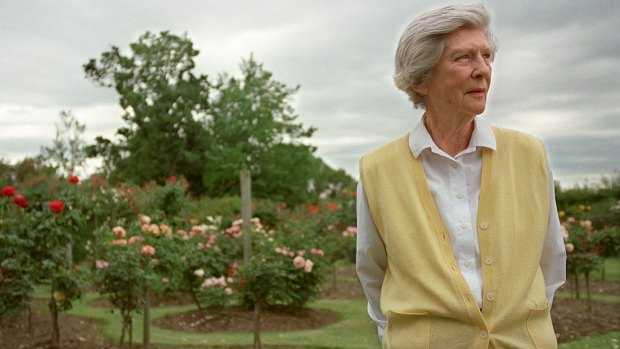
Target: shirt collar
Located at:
point(420, 139)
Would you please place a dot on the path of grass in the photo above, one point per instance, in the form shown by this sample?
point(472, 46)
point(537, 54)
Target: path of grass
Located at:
point(354, 330)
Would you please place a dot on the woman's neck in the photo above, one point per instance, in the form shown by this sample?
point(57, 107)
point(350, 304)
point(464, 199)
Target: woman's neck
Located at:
point(452, 135)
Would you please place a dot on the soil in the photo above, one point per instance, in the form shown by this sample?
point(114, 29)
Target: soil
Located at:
point(570, 317)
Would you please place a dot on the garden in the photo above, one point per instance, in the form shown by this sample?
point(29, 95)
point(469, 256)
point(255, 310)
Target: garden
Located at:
point(158, 249)
point(90, 265)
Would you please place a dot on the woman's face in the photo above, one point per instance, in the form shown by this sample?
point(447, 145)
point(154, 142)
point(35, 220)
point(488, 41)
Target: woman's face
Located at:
point(460, 80)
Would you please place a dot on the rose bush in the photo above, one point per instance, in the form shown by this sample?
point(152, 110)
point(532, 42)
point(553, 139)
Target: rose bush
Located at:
point(17, 273)
point(286, 269)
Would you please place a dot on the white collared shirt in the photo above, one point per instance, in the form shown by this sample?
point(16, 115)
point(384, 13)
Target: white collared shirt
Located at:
point(455, 185)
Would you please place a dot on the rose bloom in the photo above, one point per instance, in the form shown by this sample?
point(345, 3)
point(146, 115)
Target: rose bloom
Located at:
point(144, 219)
point(197, 230)
point(74, 179)
point(134, 239)
point(199, 272)
point(308, 266)
point(570, 247)
point(56, 206)
point(8, 191)
point(299, 262)
point(165, 229)
point(587, 224)
point(165, 280)
point(228, 291)
point(119, 242)
point(59, 296)
point(101, 264)
point(20, 201)
point(119, 232)
point(317, 251)
point(147, 250)
point(154, 229)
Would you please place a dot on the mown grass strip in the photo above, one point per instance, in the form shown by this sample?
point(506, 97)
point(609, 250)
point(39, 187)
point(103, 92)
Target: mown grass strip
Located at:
point(605, 341)
point(354, 330)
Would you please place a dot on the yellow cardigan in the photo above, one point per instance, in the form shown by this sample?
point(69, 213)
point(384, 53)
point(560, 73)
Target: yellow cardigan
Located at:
point(424, 296)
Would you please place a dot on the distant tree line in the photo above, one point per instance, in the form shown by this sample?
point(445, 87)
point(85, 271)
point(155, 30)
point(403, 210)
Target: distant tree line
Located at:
point(180, 123)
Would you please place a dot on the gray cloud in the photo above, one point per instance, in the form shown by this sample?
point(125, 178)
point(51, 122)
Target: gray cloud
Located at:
point(555, 74)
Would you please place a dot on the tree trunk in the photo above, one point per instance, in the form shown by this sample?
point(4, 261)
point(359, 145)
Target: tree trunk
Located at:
point(146, 329)
point(577, 295)
point(30, 319)
point(54, 314)
point(257, 342)
point(588, 292)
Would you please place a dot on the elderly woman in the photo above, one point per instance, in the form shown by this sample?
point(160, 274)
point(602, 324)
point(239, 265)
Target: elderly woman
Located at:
point(459, 241)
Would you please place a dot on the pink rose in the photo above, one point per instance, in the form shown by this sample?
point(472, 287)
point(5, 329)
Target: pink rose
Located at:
point(299, 262)
point(165, 280)
point(101, 264)
point(119, 242)
point(228, 291)
point(154, 229)
point(308, 266)
point(119, 232)
point(144, 219)
point(165, 229)
point(147, 250)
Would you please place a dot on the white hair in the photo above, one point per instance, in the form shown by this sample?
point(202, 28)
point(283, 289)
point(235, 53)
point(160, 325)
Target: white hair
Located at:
point(422, 43)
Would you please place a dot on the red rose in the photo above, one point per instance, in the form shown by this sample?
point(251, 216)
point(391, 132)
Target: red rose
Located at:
point(57, 206)
point(241, 282)
point(20, 201)
point(74, 179)
point(231, 271)
point(8, 191)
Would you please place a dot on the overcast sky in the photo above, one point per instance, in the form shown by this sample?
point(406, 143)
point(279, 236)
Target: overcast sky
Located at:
point(556, 74)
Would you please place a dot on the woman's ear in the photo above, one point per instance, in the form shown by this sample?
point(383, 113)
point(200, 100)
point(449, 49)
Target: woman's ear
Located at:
point(420, 88)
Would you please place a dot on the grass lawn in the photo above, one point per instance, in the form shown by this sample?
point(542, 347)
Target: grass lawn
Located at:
point(354, 330)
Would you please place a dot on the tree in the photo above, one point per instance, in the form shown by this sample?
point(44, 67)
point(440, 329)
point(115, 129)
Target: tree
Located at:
point(251, 121)
point(164, 106)
point(67, 151)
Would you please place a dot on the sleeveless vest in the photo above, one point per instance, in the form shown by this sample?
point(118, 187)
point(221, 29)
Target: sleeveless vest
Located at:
point(424, 296)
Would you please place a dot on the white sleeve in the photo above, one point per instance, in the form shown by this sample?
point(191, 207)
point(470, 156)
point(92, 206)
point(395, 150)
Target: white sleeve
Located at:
point(553, 260)
point(371, 260)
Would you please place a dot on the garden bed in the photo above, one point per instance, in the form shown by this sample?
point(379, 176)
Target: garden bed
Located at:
point(570, 316)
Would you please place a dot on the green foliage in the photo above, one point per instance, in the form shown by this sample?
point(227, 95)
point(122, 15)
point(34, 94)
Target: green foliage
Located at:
point(598, 202)
point(286, 269)
point(252, 125)
point(209, 255)
point(17, 272)
point(164, 103)
point(607, 242)
point(181, 124)
point(168, 199)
